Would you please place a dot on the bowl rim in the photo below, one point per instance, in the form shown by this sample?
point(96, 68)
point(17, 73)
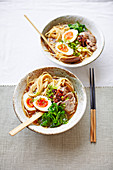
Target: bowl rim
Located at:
point(64, 130)
point(79, 64)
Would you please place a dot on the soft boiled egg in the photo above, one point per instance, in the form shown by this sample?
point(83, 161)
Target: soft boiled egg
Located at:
point(42, 103)
point(28, 102)
point(70, 35)
point(63, 48)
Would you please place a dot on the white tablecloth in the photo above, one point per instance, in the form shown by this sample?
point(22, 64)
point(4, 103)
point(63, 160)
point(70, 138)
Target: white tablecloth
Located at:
point(20, 49)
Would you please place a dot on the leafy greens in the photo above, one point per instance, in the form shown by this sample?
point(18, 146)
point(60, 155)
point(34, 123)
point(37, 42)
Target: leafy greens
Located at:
point(78, 26)
point(55, 116)
point(51, 91)
point(74, 45)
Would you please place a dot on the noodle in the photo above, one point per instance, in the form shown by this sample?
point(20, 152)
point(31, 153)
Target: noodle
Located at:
point(54, 96)
point(57, 31)
point(54, 35)
point(40, 84)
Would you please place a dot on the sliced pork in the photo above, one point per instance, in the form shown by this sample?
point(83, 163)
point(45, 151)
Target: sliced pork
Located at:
point(70, 102)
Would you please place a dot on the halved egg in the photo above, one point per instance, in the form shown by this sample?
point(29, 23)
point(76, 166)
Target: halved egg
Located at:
point(28, 102)
point(42, 103)
point(70, 35)
point(63, 48)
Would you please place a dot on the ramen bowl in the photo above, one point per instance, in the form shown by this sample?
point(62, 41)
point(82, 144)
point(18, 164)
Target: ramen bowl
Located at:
point(90, 25)
point(54, 71)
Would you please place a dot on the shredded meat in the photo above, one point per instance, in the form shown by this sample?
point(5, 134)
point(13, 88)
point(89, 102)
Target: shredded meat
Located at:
point(64, 96)
point(88, 40)
point(64, 90)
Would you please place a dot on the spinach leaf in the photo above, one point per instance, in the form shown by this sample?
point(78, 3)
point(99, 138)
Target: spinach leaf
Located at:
point(78, 26)
point(55, 116)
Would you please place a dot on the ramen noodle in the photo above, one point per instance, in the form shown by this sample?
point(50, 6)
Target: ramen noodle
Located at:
point(54, 96)
point(73, 42)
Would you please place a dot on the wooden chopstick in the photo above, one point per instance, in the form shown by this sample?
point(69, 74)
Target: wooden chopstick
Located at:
point(93, 108)
point(91, 113)
point(42, 36)
point(91, 126)
point(94, 126)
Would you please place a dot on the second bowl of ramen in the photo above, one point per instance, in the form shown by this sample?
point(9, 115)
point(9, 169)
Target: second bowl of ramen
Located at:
point(55, 92)
point(76, 40)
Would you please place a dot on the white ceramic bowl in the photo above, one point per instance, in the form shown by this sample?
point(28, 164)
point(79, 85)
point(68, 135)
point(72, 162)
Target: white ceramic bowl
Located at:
point(70, 19)
point(78, 86)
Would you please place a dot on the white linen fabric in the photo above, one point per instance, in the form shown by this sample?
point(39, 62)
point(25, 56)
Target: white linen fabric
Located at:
point(20, 48)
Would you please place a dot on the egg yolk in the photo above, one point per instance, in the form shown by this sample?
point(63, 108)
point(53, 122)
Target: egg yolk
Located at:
point(68, 36)
point(42, 102)
point(29, 102)
point(63, 47)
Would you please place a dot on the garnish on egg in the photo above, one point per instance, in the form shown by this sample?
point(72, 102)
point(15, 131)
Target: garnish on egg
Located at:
point(63, 48)
point(42, 103)
point(28, 102)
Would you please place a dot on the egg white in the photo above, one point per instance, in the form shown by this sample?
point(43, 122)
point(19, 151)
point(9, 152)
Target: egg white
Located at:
point(25, 97)
point(42, 108)
point(75, 33)
point(70, 51)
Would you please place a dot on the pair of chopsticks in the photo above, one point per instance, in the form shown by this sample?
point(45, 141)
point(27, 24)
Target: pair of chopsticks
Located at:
point(93, 107)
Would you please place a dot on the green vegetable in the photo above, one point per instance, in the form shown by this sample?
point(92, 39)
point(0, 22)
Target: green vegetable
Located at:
point(78, 26)
point(84, 49)
point(55, 116)
point(60, 47)
point(31, 101)
point(74, 46)
point(61, 41)
point(50, 92)
point(37, 93)
point(67, 98)
point(76, 54)
point(34, 91)
point(39, 99)
point(63, 105)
